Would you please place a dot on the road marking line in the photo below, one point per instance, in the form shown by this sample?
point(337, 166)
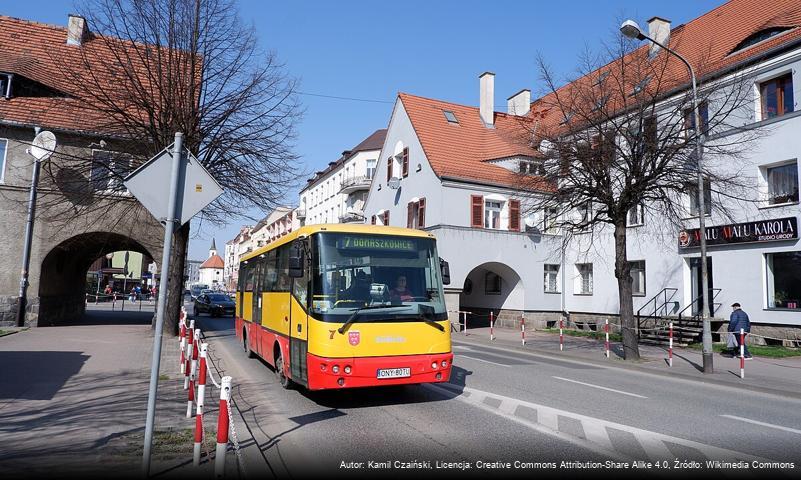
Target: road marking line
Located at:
point(595, 429)
point(600, 387)
point(769, 425)
point(485, 361)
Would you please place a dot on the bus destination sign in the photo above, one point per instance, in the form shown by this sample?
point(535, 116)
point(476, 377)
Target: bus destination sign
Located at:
point(348, 242)
point(751, 232)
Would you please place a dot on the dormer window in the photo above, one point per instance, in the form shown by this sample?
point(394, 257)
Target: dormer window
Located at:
point(531, 168)
point(5, 85)
point(758, 37)
point(450, 117)
point(641, 85)
point(601, 78)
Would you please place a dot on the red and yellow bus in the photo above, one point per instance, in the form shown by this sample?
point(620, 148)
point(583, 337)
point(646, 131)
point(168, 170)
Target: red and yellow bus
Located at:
point(338, 306)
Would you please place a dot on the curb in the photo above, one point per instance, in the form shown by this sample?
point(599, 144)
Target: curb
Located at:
point(633, 367)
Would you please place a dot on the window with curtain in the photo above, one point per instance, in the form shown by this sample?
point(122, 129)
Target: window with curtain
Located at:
point(783, 183)
point(584, 286)
point(637, 277)
point(492, 214)
point(777, 96)
point(551, 278)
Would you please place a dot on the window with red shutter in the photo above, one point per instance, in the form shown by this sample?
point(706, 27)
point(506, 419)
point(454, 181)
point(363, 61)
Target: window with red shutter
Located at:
point(389, 168)
point(410, 215)
point(514, 215)
point(421, 213)
point(406, 162)
point(386, 217)
point(476, 211)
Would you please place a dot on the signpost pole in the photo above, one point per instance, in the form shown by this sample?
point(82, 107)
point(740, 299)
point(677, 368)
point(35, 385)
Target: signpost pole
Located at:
point(169, 226)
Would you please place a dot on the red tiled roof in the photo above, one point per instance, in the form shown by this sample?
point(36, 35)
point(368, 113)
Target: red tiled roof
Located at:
point(213, 261)
point(462, 150)
point(40, 53)
point(374, 142)
point(707, 42)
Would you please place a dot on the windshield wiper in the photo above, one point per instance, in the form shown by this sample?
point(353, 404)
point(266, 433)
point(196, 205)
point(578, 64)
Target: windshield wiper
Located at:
point(356, 313)
point(427, 312)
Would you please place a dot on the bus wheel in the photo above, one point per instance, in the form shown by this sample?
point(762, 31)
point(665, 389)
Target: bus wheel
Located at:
point(279, 370)
point(246, 345)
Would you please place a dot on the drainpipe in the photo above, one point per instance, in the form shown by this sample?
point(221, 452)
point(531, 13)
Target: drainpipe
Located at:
point(22, 301)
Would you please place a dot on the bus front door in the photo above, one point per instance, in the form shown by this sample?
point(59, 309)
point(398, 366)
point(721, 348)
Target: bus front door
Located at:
point(256, 334)
point(298, 342)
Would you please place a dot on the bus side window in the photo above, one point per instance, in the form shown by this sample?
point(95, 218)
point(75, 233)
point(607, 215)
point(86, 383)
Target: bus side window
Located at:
point(283, 280)
point(269, 272)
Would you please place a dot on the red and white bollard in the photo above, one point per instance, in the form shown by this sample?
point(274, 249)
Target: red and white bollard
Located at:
point(201, 395)
point(492, 326)
point(670, 345)
point(606, 342)
point(523, 328)
point(182, 345)
point(190, 338)
point(222, 428)
point(742, 353)
point(561, 335)
point(193, 374)
point(465, 322)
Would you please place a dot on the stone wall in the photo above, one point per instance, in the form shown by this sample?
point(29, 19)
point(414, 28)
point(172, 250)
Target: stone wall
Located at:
point(8, 311)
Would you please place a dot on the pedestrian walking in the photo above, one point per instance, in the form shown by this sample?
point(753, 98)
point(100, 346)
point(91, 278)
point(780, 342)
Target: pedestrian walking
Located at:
point(739, 320)
point(133, 295)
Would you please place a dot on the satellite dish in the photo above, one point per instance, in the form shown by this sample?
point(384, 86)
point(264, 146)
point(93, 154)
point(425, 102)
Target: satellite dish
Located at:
point(530, 221)
point(394, 183)
point(43, 145)
point(546, 146)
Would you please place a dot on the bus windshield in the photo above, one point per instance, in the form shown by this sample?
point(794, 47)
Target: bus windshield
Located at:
point(399, 274)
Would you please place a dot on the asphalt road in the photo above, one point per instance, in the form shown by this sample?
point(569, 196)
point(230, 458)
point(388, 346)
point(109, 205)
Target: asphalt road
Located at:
point(503, 406)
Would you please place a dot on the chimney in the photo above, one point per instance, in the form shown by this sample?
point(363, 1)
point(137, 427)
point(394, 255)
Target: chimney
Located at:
point(486, 102)
point(519, 103)
point(76, 30)
point(659, 30)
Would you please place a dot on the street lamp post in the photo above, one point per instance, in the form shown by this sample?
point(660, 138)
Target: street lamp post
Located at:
point(630, 29)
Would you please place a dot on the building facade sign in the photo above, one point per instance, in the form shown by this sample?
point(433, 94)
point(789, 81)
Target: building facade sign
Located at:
point(750, 232)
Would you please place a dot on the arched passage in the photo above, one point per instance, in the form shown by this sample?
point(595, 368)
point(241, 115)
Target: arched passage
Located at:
point(495, 287)
point(63, 273)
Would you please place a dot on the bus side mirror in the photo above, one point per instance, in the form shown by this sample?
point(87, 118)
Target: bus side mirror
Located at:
point(446, 272)
point(296, 260)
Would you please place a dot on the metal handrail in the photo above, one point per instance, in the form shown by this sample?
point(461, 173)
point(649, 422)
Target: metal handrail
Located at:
point(657, 307)
point(715, 306)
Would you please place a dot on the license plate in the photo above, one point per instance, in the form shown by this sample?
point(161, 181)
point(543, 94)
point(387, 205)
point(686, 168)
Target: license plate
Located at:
point(394, 372)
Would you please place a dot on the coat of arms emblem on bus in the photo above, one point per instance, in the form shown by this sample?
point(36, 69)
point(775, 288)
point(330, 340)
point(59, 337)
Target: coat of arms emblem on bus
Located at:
point(353, 338)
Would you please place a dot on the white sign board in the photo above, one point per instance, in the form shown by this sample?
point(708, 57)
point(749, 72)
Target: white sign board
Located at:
point(150, 184)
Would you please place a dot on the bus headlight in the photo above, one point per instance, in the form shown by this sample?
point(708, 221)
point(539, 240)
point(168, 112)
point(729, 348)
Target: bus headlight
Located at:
point(444, 364)
point(347, 369)
point(335, 369)
point(434, 365)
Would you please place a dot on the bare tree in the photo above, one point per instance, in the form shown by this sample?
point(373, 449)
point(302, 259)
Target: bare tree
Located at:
point(618, 145)
point(157, 67)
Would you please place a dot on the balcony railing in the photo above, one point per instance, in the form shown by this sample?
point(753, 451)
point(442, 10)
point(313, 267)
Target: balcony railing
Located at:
point(352, 217)
point(354, 184)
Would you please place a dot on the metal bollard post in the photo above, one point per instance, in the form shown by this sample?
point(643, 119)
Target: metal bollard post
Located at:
point(670, 347)
point(561, 335)
point(201, 395)
point(742, 353)
point(222, 428)
point(182, 345)
point(190, 336)
point(193, 374)
point(492, 326)
point(523, 328)
point(465, 323)
point(606, 343)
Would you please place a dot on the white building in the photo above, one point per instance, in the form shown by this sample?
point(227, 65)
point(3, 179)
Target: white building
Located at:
point(451, 169)
point(278, 223)
point(231, 259)
point(192, 271)
point(337, 193)
point(211, 271)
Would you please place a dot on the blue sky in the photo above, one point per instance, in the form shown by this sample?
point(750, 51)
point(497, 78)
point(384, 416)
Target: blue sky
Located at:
point(371, 50)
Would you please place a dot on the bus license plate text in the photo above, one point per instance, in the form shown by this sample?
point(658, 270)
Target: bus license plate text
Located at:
point(394, 372)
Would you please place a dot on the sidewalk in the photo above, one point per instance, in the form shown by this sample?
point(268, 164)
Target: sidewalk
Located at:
point(781, 376)
point(73, 400)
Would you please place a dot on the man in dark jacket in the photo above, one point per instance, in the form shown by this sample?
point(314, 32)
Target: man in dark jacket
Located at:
point(739, 320)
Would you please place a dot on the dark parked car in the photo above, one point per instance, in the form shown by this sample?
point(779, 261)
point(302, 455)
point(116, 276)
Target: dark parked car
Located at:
point(215, 304)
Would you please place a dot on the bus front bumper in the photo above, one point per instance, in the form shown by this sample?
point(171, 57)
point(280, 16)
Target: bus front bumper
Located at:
point(325, 373)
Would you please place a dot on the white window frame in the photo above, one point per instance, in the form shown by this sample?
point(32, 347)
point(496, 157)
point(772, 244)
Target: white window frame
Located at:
point(5, 161)
point(549, 274)
point(644, 286)
point(488, 210)
point(692, 196)
point(769, 284)
point(578, 285)
point(764, 183)
point(370, 170)
point(639, 215)
point(549, 221)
